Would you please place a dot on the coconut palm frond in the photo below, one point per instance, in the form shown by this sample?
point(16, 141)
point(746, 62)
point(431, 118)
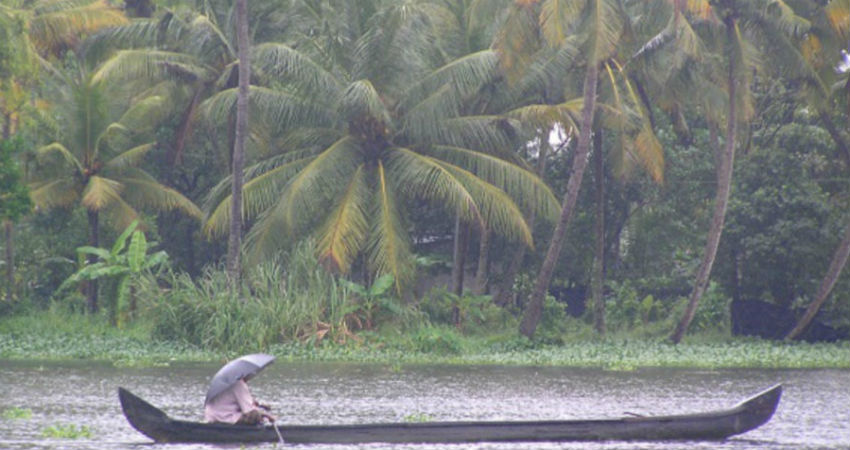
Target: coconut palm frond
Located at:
point(604, 26)
point(120, 214)
point(747, 58)
point(207, 39)
point(547, 116)
point(491, 134)
point(300, 200)
point(556, 18)
point(518, 41)
point(280, 108)
point(129, 158)
point(292, 67)
point(548, 68)
point(135, 34)
point(143, 192)
point(57, 192)
point(464, 75)
point(53, 29)
point(286, 111)
point(151, 65)
point(344, 232)
point(146, 114)
point(650, 153)
point(497, 210)
point(522, 185)
point(424, 119)
point(307, 139)
point(421, 175)
point(45, 154)
point(100, 191)
point(361, 100)
point(266, 238)
point(389, 247)
point(264, 168)
point(260, 193)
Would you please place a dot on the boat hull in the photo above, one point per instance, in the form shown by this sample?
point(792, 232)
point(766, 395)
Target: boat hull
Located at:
point(715, 425)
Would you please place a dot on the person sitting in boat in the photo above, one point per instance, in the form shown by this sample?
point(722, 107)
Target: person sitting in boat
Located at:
point(236, 405)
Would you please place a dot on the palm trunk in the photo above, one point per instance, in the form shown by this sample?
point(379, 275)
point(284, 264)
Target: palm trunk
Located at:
point(532, 314)
point(482, 278)
point(91, 287)
point(234, 244)
point(459, 256)
point(724, 184)
point(598, 277)
point(839, 260)
point(10, 260)
point(460, 247)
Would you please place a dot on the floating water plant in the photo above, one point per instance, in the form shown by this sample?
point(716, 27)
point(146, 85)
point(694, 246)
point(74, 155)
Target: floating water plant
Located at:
point(15, 413)
point(418, 417)
point(68, 431)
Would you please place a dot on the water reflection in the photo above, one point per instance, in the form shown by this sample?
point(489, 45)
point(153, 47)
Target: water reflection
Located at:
point(813, 414)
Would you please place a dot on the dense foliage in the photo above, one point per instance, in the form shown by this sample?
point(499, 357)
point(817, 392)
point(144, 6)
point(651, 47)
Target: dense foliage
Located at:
point(392, 141)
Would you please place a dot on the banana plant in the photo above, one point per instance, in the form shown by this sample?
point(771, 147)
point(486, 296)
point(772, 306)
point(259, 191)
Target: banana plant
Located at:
point(123, 266)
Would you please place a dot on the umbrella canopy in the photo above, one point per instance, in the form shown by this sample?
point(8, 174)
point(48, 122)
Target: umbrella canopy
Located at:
point(244, 366)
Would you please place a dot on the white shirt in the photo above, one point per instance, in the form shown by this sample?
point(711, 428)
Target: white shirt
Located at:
point(229, 406)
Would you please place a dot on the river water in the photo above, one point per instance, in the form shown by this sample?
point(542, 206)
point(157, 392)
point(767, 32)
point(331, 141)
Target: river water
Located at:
point(814, 412)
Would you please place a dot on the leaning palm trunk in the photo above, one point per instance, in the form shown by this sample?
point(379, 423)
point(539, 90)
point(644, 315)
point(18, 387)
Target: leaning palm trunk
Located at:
point(534, 309)
point(234, 244)
point(721, 201)
point(839, 260)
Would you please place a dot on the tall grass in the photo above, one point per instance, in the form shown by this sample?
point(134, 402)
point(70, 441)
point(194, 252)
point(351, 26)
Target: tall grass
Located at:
point(280, 301)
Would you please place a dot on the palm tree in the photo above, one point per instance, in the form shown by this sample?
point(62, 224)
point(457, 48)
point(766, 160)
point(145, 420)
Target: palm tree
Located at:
point(45, 29)
point(104, 134)
point(739, 22)
point(598, 26)
point(394, 119)
point(831, 33)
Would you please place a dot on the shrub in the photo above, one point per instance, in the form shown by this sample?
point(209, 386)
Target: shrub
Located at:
point(277, 302)
point(436, 339)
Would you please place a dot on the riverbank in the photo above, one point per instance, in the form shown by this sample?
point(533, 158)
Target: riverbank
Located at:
point(54, 337)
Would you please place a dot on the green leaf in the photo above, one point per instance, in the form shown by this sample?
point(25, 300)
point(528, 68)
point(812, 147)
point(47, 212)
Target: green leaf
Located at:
point(381, 285)
point(136, 252)
point(354, 287)
point(121, 241)
point(99, 252)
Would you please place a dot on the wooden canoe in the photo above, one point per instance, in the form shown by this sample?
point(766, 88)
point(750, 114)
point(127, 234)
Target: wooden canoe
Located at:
point(714, 425)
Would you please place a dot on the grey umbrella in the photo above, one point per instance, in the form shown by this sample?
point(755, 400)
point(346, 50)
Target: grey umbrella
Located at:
point(230, 373)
